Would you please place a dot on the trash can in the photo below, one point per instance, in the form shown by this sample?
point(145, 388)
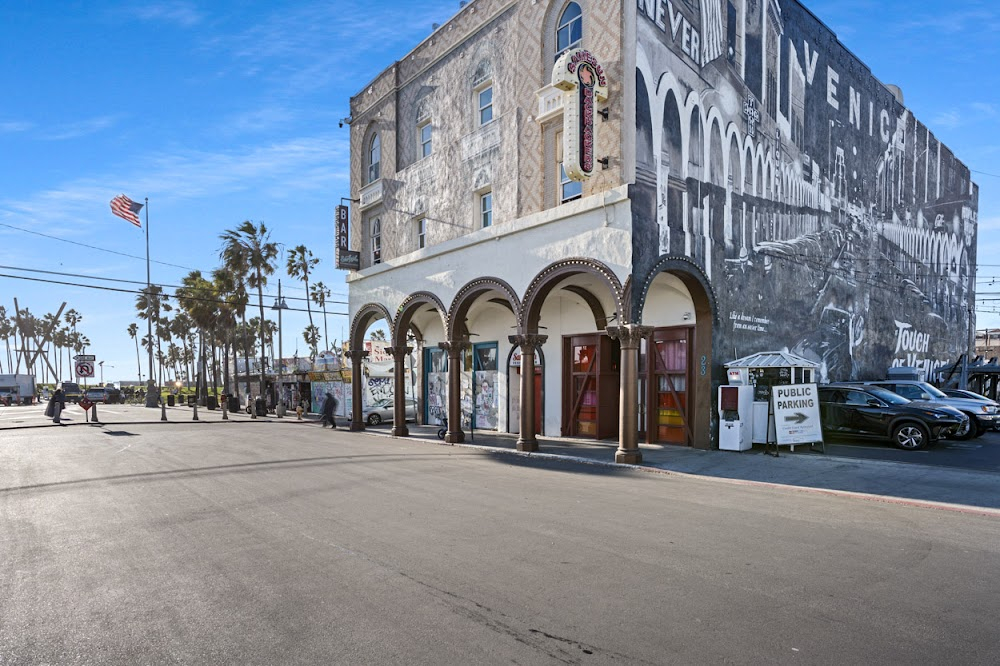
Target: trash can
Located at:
point(170, 400)
point(234, 403)
point(213, 402)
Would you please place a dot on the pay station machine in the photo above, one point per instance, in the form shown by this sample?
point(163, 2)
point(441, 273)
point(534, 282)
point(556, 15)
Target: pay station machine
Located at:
point(736, 413)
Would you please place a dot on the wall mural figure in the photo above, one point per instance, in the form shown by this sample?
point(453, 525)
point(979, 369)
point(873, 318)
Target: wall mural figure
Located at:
point(830, 221)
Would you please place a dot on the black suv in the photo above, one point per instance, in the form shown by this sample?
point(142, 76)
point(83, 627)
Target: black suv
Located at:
point(871, 412)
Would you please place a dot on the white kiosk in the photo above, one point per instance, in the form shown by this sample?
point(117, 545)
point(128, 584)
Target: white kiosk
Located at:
point(736, 413)
point(761, 371)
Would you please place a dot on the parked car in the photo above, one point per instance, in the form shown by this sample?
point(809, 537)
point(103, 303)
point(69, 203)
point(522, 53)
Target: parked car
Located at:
point(96, 395)
point(983, 416)
point(381, 412)
point(871, 412)
point(71, 391)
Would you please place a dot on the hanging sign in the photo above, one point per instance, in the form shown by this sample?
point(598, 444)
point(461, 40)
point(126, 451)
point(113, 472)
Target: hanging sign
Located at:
point(346, 259)
point(582, 77)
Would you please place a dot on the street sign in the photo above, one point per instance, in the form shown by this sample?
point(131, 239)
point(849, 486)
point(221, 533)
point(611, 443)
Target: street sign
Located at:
point(84, 368)
point(85, 404)
point(84, 357)
point(796, 414)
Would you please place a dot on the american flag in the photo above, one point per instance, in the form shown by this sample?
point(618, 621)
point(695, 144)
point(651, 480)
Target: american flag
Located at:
point(126, 209)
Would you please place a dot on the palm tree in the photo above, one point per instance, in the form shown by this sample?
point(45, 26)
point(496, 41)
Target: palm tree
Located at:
point(148, 305)
point(133, 332)
point(198, 300)
point(319, 293)
point(300, 262)
point(248, 249)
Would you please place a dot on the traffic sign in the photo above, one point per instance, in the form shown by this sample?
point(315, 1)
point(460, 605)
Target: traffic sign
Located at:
point(84, 368)
point(84, 357)
point(86, 404)
point(796, 414)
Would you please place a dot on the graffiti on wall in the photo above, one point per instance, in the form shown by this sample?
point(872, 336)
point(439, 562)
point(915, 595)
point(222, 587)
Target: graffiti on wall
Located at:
point(819, 208)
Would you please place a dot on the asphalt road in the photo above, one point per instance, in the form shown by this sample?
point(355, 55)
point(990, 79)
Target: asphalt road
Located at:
point(981, 453)
point(257, 543)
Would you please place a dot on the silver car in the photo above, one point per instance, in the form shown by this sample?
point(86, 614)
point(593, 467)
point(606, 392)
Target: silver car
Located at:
point(983, 416)
point(381, 412)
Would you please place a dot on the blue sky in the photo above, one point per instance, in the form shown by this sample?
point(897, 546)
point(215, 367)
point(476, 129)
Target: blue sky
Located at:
point(225, 111)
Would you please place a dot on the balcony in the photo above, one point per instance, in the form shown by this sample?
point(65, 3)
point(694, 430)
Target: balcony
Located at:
point(550, 103)
point(371, 194)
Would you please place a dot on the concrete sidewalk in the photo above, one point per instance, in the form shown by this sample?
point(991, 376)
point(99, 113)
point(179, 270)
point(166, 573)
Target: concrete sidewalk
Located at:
point(804, 469)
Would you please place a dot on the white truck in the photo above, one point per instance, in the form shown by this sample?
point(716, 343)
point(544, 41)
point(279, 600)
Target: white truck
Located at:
point(17, 389)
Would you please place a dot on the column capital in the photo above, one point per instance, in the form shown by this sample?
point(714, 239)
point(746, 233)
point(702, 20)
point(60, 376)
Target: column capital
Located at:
point(530, 341)
point(629, 335)
point(399, 352)
point(357, 355)
point(455, 347)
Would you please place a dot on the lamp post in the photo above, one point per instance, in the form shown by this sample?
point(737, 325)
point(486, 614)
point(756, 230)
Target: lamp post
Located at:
point(279, 305)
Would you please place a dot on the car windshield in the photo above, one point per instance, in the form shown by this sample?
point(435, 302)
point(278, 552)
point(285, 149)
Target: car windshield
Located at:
point(937, 393)
point(887, 395)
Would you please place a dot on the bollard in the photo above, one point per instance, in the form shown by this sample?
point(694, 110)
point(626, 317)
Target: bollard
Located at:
point(225, 411)
point(93, 416)
point(195, 412)
point(163, 411)
point(253, 409)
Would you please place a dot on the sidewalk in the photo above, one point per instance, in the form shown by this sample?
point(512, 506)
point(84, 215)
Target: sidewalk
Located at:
point(804, 469)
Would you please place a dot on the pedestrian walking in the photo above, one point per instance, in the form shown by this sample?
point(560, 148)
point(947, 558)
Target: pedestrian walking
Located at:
point(57, 403)
point(329, 407)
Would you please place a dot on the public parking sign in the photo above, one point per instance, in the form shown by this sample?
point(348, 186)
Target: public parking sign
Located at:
point(84, 368)
point(796, 414)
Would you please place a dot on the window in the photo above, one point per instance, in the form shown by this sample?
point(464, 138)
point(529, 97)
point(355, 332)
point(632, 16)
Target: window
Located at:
point(486, 209)
point(376, 241)
point(568, 189)
point(569, 33)
point(374, 158)
point(425, 138)
point(485, 99)
point(422, 233)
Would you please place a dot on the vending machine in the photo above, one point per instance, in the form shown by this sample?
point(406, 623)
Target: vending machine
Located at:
point(736, 413)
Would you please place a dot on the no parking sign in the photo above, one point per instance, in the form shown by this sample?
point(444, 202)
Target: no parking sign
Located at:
point(84, 368)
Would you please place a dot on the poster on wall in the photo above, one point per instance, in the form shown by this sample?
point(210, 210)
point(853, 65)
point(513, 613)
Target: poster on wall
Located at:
point(486, 399)
point(437, 397)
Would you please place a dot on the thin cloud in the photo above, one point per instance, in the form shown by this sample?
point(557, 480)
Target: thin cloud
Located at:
point(82, 128)
point(950, 119)
point(183, 14)
point(14, 126)
point(951, 22)
point(282, 170)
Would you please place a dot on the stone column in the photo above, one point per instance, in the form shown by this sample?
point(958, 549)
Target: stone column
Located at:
point(357, 376)
point(528, 344)
point(455, 348)
point(399, 355)
point(630, 336)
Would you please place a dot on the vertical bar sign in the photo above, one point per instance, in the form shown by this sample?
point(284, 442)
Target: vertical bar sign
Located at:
point(342, 234)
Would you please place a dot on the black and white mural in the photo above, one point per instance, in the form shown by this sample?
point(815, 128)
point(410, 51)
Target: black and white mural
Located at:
point(828, 220)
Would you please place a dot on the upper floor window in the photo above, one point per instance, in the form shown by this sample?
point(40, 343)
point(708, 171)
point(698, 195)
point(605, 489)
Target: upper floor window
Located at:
point(486, 209)
point(422, 232)
point(425, 138)
point(484, 97)
point(568, 189)
point(376, 241)
point(569, 32)
point(374, 158)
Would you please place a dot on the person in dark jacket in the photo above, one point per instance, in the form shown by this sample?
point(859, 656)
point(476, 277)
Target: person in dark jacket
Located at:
point(57, 403)
point(329, 407)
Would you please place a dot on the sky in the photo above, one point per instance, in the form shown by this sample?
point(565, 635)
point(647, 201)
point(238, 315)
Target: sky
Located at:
point(220, 112)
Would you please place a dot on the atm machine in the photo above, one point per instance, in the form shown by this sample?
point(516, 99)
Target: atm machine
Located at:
point(736, 412)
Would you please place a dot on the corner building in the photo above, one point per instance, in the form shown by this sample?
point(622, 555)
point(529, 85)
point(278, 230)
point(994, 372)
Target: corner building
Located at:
point(752, 187)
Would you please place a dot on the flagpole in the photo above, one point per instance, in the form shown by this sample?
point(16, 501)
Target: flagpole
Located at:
point(151, 399)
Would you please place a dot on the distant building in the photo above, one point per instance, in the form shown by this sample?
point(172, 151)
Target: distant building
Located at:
point(636, 193)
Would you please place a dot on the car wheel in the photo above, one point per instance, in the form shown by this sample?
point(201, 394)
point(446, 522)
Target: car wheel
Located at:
point(910, 436)
point(374, 419)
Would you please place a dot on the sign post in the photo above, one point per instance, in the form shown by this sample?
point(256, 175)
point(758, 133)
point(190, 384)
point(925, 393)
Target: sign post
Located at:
point(796, 415)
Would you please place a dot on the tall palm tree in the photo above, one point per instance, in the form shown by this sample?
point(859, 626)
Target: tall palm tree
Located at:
point(133, 331)
point(319, 293)
point(300, 262)
point(250, 251)
point(5, 332)
point(198, 300)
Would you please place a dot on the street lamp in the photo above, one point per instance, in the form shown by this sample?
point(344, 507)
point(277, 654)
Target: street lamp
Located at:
point(279, 305)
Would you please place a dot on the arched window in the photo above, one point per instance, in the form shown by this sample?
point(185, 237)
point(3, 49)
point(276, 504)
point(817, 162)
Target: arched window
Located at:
point(374, 158)
point(376, 241)
point(569, 30)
